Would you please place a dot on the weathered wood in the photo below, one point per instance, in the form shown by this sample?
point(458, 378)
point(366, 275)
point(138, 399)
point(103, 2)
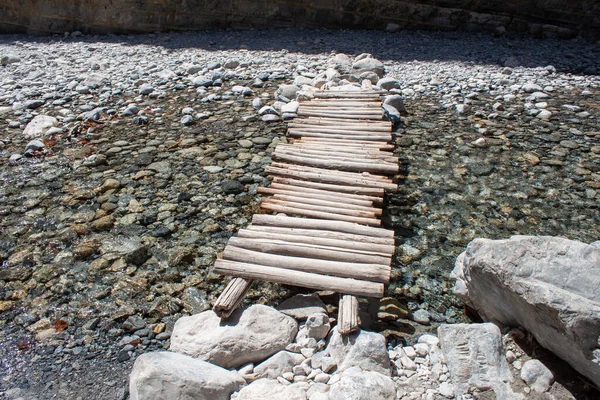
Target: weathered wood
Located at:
point(307, 250)
point(338, 122)
point(331, 178)
point(348, 319)
point(299, 278)
point(319, 170)
point(366, 84)
point(232, 296)
point(342, 165)
point(327, 203)
point(377, 199)
point(332, 240)
point(372, 155)
point(340, 130)
point(319, 207)
point(349, 142)
point(344, 188)
point(286, 209)
point(299, 133)
point(304, 223)
point(342, 110)
point(332, 197)
point(348, 115)
point(322, 234)
point(361, 271)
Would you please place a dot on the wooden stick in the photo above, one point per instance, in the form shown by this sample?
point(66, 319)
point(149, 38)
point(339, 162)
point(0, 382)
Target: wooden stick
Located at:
point(318, 170)
point(348, 320)
point(342, 165)
point(334, 197)
point(341, 130)
point(337, 121)
point(366, 84)
point(318, 214)
point(342, 110)
point(362, 271)
point(305, 250)
point(326, 203)
point(319, 208)
point(231, 297)
point(370, 191)
point(308, 191)
point(298, 133)
point(321, 234)
point(298, 278)
point(348, 115)
point(346, 153)
point(331, 178)
point(303, 223)
point(332, 240)
point(349, 142)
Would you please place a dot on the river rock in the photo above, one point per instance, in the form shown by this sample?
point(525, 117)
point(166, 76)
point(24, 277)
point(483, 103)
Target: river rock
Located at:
point(301, 306)
point(276, 365)
point(369, 64)
point(166, 375)
point(249, 335)
point(475, 357)
point(364, 349)
point(264, 389)
point(357, 384)
point(548, 285)
point(537, 376)
point(38, 126)
point(396, 101)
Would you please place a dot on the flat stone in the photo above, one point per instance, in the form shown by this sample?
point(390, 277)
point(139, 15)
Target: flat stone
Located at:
point(357, 384)
point(278, 364)
point(364, 349)
point(264, 389)
point(301, 306)
point(537, 376)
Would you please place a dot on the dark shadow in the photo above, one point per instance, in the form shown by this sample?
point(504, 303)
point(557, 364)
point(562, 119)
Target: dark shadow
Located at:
point(512, 50)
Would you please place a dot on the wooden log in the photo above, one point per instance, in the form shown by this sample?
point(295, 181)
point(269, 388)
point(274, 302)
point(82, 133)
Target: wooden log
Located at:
point(340, 153)
point(341, 103)
point(305, 250)
point(342, 110)
point(331, 178)
point(309, 191)
point(361, 271)
point(366, 84)
point(338, 122)
point(231, 297)
point(318, 208)
point(332, 240)
point(341, 130)
point(326, 203)
point(321, 234)
point(318, 170)
point(345, 142)
point(298, 133)
point(298, 278)
point(370, 191)
point(318, 214)
point(342, 165)
point(333, 197)
point(304, 223)
point(348, 320)
point(348, 115)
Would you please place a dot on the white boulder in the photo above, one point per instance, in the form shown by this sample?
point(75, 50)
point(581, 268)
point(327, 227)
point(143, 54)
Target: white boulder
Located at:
point(166, 375)
point(364, 349)
point(249, 335)
point(38, 126)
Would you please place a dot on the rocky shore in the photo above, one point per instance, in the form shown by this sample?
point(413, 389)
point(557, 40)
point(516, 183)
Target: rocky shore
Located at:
point(126, 163)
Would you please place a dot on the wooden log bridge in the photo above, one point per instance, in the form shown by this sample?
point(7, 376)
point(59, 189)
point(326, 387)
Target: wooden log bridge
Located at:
point(327, 193)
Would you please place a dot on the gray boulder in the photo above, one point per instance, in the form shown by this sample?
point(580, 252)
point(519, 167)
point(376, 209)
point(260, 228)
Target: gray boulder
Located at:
point(287, 91)
point(475, 358)
point(548, 285)
point(264, 389)
point(165, 375)
point(281, 362)
point(388, 83)
point(537, 376)
point(396, 101)
point(364, 349)
point(357, 384)
point(301, 306)
point(369, 64)
point(249, 335)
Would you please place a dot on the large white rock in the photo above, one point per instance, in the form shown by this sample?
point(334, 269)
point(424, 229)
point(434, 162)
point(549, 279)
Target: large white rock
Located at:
point(267, 389)
point(537, 376)
point(356, 384)
point(548, 285)
point(39, 125)
point(475, 358)
point(249, 335)
point(364, 349)
point(276, 365)
point(166, 375)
